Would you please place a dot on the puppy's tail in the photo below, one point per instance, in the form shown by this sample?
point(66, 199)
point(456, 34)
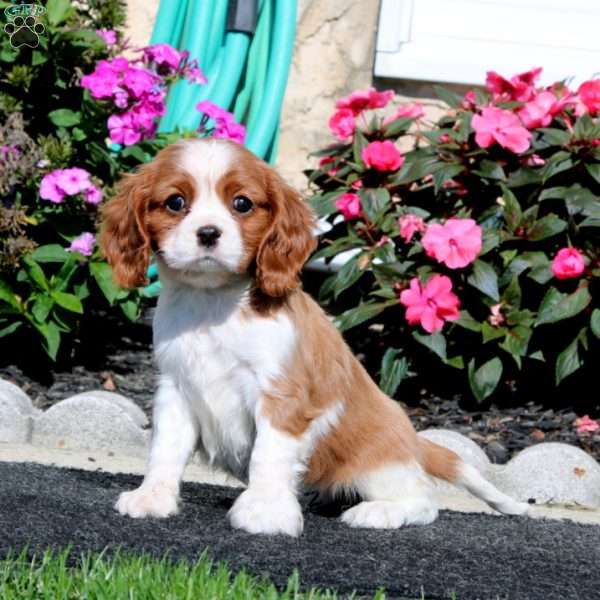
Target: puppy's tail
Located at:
point(444, 464)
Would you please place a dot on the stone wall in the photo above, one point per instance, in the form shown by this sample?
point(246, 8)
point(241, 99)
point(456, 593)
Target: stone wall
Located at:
point(334, 53)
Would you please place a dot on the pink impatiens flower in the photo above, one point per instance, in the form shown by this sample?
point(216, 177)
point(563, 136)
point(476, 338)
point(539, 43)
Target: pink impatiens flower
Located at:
point(539, 111)
point(568, 263)
point(589, 95)
point(382, 156)
point(409, 225)
point(342, 124)
point(457, 243)
point(365, 99)
point(586, 425)
point(431, 305)
point(501, 126)
point(349, 205)
point(520, 88)
point(73, 180)
point(84, 244)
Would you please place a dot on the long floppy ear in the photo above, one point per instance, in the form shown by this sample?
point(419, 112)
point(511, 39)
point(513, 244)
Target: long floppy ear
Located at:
point(288, 242)
point(124, 239)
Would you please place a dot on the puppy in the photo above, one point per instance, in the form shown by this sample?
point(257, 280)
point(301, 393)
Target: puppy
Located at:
point(252, 372)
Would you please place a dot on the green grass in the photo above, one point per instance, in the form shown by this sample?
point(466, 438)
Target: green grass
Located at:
point(122, 577)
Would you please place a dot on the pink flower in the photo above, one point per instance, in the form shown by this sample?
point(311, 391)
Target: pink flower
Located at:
point(469, 100)
point(49, 189)
point(568, 264)
point(457, 243)
point(105, 77)
point(586, 425)
point(496, 317)
point(92, 195)
point(122, 130)
point(409, 225)
point(225, 125)
point(73, 180)
point(365, 99)
point(408, 111)
point(539, 111)
point(195, 75)
point(139, 81)
point(589, 94)
point(108, 35)
point(84, 244)
point(356, 185)
point(501, 126)
point(349, 205)
point(535, 160)
point(328, 160)
point(342, 123)
point(163, 55)
point(382, 156)
point(520, 88)
point(432, 305)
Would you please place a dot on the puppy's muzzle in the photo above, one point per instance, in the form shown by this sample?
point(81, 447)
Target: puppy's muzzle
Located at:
point(208, 236)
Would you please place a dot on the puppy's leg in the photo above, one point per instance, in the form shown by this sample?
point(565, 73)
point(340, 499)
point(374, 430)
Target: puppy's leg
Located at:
point(174, 436)
point(393, 496)
point(269, 505)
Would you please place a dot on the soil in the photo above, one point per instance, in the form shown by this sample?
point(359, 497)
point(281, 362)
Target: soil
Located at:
point(121, 361)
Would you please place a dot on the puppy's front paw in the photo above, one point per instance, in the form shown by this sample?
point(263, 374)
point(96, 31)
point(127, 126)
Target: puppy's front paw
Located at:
point(257, 512)
point(390, 515)
point(148, 501)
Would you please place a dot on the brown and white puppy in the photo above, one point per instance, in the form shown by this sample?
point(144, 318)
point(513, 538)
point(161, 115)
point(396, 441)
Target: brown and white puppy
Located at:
point(251, 369)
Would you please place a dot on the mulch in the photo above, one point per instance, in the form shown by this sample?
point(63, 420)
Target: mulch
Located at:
point(122, 361)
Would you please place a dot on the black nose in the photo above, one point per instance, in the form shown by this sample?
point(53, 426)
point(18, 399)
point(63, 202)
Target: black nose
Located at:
point(208, 236)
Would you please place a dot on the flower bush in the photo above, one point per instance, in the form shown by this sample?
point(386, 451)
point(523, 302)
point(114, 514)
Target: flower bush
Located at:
point(75, 112)
point(473, 241)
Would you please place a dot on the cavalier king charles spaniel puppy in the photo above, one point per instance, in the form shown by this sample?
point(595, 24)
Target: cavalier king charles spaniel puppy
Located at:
point(252, 372)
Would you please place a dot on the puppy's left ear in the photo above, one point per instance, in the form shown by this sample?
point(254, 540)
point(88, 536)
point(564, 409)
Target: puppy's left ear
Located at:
point(288, 243)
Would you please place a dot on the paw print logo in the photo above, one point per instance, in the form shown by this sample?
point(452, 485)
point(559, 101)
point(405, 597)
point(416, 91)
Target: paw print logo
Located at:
point(24, 31)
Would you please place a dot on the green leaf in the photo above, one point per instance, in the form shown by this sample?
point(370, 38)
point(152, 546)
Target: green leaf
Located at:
point(38, 58)
point(35, 273)
point(373, 200)
point(450, 98)
point(545, 227)
point(10, 328)
point(485, 279)
point(517, 341)
point(490, 170)
point(466, 321)
point(436, 342)
point(512, 210)
point(555, 137)
point(348, 275)
point(63, 117)
point(512, 294)
point(567, 361)
point(557, 306)
point(485, 379)
point(360, 143)
point(393, 370)
point(50, 253)
point(595, 322)
point(68, 301)
point(359, 314)
point(41, 307)
point(50, 337)
point(102, 273)
point(8, 296)
point(489, 332)
point(594, 171)
point(130, 309)
point(397, 127)
point(58, 11)
point(324, 204)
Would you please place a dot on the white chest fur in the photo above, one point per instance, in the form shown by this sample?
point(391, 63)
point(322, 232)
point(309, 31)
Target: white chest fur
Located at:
point(221, 359)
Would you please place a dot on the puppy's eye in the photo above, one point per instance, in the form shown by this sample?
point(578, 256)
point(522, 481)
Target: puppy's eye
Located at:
point(175, 203)
point(242, 204)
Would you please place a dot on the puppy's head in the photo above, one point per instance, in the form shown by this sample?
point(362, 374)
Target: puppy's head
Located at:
point(210, 211)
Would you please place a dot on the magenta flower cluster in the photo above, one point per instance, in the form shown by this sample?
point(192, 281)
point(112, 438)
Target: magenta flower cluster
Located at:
point(138, 88)
point(224, 123)
point(69, 182)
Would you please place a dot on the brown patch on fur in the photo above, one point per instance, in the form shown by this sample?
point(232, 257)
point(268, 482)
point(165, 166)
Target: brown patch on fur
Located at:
point(136, 220)
point(373, 430)
point(439, 461)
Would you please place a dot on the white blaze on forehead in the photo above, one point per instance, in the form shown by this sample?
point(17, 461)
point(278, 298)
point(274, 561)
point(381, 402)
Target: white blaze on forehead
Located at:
point(206, 161)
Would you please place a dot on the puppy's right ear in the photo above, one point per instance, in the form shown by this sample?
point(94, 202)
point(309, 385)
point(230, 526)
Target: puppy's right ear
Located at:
point(124, 239)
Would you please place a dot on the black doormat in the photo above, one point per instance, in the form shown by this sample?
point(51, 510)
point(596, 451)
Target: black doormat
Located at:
point(475, 556)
